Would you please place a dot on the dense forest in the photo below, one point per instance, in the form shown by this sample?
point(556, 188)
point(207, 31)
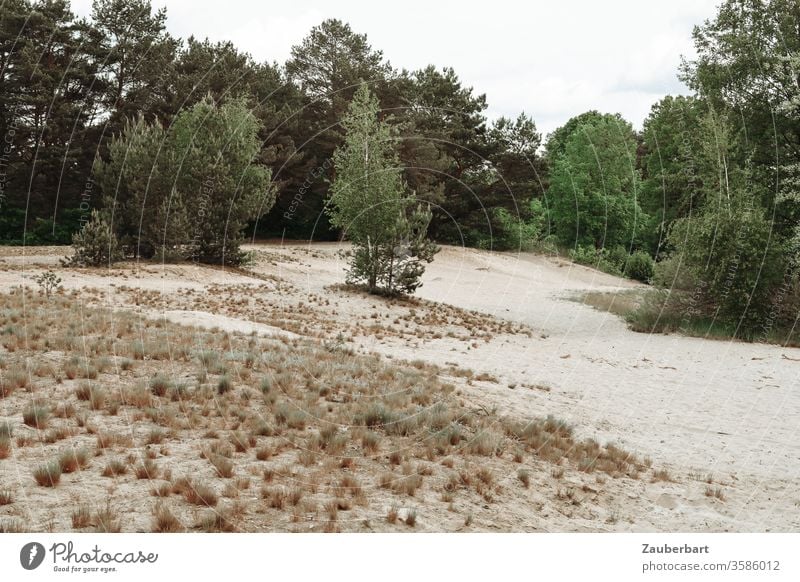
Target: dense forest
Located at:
point(114, 114)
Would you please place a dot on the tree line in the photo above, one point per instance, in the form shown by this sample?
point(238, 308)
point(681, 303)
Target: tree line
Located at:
point(72, 86)
point(187, 147)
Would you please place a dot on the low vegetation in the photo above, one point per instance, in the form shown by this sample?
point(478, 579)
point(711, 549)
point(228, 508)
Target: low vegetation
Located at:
point(203, 413)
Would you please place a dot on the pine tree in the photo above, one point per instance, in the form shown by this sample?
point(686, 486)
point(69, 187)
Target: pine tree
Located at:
point(370, 203)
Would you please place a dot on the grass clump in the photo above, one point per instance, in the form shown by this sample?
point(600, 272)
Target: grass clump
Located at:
point(164, 521)
point(48, 475)
point(72, 460)
point(114, 468)
point(200, 494)
point(160, 385)
point(36, 416)
point(224, 384)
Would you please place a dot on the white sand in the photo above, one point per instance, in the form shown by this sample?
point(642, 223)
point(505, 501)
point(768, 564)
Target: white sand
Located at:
point(700, 407)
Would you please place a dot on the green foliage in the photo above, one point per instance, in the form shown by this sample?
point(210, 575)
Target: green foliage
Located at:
point(516, 233)
point(611, 261)
point(48, 282)
point(594, 186)
point(731, 253)
point(467, 169)
point(208, 156)
point(640, 266)
point(672, 165)
point(128, 79)
point(747, 58)
point(46, 107)
point(369, 202)
point(136, 57)
point(557, 140)
point(42, 231)
point(132, 181)
point(214, 153)
point(95, 244)
point(728, 247)
point(672, 273)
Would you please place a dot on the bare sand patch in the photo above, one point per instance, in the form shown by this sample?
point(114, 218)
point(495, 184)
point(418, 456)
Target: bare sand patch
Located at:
point(699, 408)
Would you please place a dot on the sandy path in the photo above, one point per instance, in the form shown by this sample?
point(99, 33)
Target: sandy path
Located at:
point(723, 406)
point(704, 407)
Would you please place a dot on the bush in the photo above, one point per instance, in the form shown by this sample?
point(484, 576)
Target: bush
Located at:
point(95, 244)
point(514, 233)
point(672, 273)
point(640, 266)
point(597, 258)
point(48, 282)
point(190, 190)
point(739, 265)
point(616, 261)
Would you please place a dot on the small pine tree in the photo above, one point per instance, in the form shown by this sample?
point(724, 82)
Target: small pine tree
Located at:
point(188, 191)
point(95, 244)
point(370, 203)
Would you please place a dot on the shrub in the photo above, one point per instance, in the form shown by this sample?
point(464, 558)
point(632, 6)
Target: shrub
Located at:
point(95, 395)
point(81, 517)
point(147, 470)
point(106, 520)
point(156, 174)
point(672, 273)
point(729, 246)
point(164, 521)
point(222, 465)
point(95, 244)
point(159, 385)
point(515, 233)
point(601, 259)
point(48, 282)
point(115, 467)
point(199, 494)
point(640, 266)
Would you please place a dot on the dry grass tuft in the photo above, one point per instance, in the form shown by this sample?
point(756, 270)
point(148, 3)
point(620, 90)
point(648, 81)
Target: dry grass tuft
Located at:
point(36, 416)
point(48, 475)
point(147, 469)
point(164, 521)
point(222, 465)
point(661, 475)
point(72, 460)
point(114, 468)
point(81, 517)
point(107, 520)
point(201, 494)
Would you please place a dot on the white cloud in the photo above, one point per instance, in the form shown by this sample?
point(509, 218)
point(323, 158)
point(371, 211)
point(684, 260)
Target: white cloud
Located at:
point(550, 59)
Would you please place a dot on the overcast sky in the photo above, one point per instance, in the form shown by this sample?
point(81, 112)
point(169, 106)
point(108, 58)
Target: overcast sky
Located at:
point(549, 58)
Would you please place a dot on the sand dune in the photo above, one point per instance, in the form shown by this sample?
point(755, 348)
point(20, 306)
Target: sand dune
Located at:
point(699, 407)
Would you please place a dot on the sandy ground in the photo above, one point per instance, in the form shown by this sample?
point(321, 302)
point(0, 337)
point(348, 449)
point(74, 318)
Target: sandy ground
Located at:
point(698, 407)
